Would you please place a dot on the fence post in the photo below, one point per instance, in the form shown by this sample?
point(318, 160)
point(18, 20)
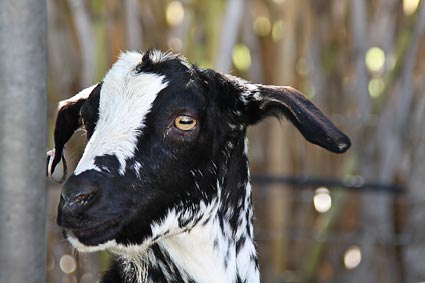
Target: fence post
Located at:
point(22, 140)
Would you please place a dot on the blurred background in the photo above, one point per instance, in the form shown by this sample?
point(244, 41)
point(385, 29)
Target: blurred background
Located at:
point(357, 217)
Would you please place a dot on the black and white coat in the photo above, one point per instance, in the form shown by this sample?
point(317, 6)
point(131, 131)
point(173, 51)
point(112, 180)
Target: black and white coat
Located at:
point(164, 180)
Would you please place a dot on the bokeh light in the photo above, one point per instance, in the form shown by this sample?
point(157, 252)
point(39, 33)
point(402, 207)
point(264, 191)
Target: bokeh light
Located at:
point(352, 257)
point(262, 26)
point(375, 59)
point(241, 57)
point(410, 6)
point(174, 13)
point(376, 87)
point(68, 264)
point(277, 31)
point(322, 200)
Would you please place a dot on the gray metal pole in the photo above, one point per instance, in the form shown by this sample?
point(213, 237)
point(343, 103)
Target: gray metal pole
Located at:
point(22, 140)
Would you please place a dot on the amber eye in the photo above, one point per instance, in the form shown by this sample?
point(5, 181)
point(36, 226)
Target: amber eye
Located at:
point(185, 123)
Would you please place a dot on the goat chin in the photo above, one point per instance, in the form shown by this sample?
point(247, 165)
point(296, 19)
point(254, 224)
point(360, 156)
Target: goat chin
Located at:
point(163, 182)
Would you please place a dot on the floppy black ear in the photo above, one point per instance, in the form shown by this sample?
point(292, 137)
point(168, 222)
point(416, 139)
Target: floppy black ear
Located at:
point(309, 120)
point(68, 120)
point(251, 103)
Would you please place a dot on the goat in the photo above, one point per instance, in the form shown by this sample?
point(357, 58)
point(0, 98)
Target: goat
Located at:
point(164, 182)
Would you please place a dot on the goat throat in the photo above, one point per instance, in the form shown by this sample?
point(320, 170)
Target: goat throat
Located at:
point(211, 252)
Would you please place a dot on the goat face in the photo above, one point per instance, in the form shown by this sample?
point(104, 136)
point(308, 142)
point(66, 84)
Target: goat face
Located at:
point(160, 132)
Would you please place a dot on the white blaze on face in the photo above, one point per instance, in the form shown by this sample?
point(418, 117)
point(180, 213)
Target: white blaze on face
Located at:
point(125, 99)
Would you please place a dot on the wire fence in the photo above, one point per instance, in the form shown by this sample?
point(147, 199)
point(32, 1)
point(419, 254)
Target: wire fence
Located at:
point(356, 183)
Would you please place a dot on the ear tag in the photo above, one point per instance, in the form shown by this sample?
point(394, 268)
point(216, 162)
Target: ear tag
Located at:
point(51, 166)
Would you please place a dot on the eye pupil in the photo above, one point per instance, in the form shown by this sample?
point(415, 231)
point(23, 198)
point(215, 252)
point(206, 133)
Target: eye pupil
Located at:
point(185, 123)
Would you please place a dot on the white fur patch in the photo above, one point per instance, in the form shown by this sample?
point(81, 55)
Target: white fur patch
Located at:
point(125, 99)
point(169, 224)
point(128, 250)
point(194, 252)
point(89, 249)
point(83, 94)
point(245, 266)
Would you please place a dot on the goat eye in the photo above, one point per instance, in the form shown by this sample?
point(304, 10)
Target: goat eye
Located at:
point(185, 123)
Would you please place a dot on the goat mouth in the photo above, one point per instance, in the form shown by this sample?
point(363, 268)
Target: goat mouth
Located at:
point(97, 233)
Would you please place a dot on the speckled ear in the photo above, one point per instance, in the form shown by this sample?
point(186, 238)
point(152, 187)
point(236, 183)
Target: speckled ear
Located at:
point(250, 103)
point(67, 122)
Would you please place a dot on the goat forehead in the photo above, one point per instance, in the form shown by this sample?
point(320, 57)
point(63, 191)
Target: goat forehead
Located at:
point(125, 100)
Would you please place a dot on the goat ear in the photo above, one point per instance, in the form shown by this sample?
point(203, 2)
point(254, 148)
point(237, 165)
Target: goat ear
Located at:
point(68, 120)
point(256, 101)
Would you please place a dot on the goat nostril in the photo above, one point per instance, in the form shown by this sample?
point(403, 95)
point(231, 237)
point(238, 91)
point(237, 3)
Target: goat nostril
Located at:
point(83, 199)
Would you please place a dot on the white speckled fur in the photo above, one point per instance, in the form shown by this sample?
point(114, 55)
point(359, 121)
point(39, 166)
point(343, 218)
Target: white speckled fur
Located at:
point(194, 252)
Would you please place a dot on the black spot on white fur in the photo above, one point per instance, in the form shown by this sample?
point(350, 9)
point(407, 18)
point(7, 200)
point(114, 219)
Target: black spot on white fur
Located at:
point(173, 205)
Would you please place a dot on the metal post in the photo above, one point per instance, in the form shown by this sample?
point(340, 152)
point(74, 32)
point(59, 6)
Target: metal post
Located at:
point(22, 140)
